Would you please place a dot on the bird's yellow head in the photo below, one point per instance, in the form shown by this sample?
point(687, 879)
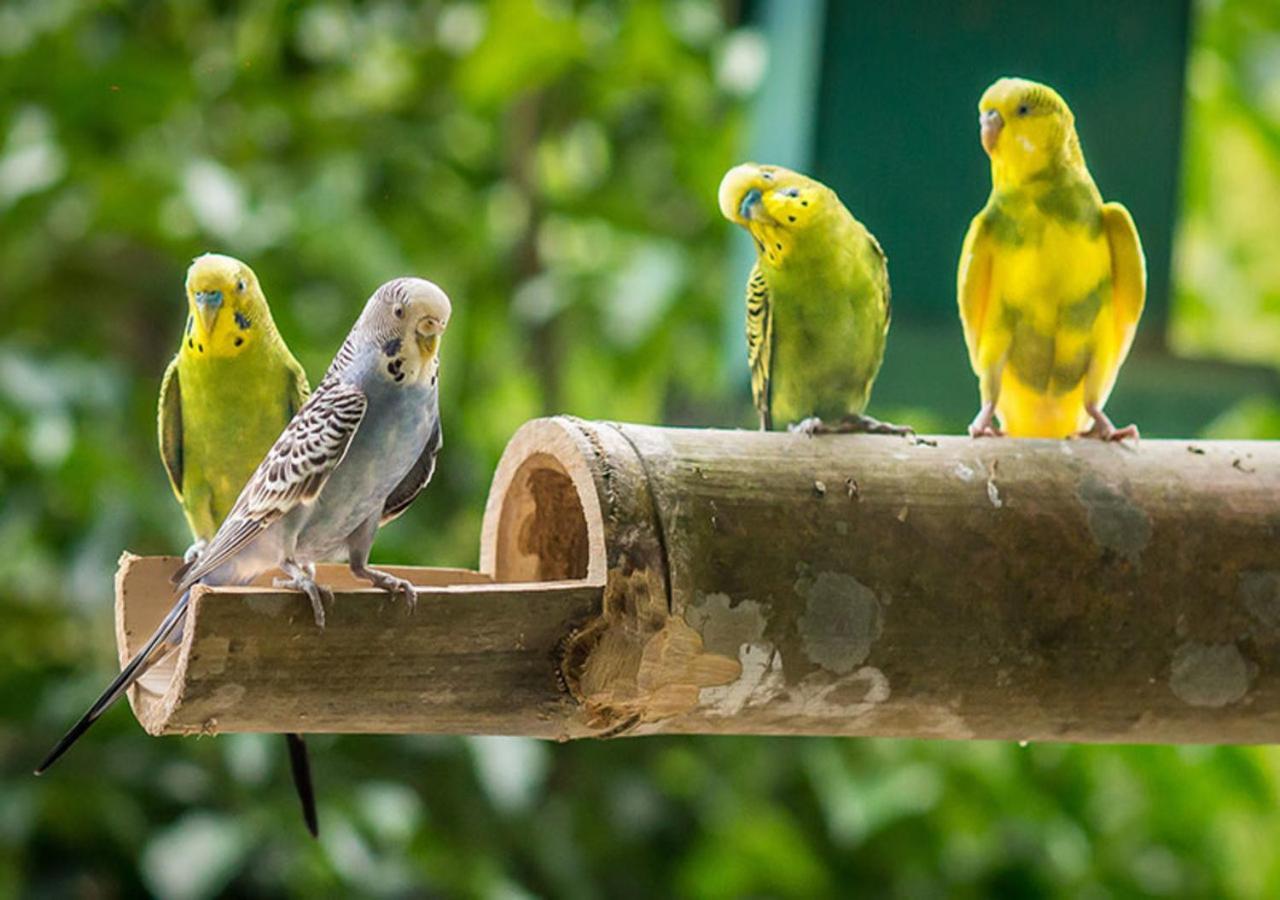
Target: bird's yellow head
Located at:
point(226, 309)
point(405, 319)
point(775, 205)
point(1026, 128)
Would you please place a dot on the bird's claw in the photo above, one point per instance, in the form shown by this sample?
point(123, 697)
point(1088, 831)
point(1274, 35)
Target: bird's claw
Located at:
point(1103, 430)
point(318, 594)
point(393, 585)
point(861, 424)
point(810, 426)
point(194, 551)
point(853, 424)
point(983, 424)
point(1111, 435)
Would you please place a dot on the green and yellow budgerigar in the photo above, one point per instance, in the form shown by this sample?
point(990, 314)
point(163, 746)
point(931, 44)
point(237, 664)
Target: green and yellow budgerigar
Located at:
point(817, 301)
point(227, 394)
point(1052, 280)
point(225, 398)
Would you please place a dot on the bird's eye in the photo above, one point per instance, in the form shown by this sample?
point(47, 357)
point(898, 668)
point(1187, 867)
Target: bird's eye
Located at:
point(240, 285)
point(399, 311)
point(767, 176)
point(1023, 109)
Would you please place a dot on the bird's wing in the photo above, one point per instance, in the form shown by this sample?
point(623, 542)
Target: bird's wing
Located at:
point(297, 387)
point(169, 426)
point(412, 484)
point(294, 471)
point(1128, 274)
point(882, 278)
point(973, 286)
point(760, 342)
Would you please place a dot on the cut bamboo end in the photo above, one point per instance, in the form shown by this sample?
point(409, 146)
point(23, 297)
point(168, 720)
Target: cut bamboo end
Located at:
point(543, 520)
point(638, 580)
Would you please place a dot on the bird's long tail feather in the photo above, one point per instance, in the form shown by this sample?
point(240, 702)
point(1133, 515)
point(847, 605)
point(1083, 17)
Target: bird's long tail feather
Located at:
point(136, 668)
point(300, 766)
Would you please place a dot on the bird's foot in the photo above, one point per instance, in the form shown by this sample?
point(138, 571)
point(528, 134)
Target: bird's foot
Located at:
point(860, 424)
point(1104, 430)
point(983, 424)
point(318, 594)
point(852, 424)
point(194, 551)
point(810, 426)
point(392, 584)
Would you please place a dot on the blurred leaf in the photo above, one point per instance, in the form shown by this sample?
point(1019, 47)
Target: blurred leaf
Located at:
point(195, 857)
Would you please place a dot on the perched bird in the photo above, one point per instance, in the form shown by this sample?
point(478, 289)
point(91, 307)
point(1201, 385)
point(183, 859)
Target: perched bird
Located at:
point(354, 457)
point(1051, 281)
point(228, 393)
point(226, 396)
point(817, 301)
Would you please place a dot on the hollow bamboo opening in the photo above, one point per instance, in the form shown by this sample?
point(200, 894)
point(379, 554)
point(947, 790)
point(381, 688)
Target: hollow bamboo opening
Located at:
point(543, 519)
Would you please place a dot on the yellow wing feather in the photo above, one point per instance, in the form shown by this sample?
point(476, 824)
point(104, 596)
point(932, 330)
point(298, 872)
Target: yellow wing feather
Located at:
point(973, 287)
point(1128, 274)
point(759, 342)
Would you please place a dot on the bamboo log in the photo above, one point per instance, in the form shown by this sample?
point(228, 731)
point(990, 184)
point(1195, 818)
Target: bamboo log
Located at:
point(645, 580)
point(473, 658)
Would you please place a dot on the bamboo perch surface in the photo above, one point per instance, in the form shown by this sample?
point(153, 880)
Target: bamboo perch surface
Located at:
point(639, 580)
point(470, 659)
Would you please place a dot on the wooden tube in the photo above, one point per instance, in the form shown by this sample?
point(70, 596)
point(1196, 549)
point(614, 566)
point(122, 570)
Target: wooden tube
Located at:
point(639, 580)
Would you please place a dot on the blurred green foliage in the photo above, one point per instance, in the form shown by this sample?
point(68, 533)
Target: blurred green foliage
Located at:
point(553, 165)
point(1228, 297)
point(1227, 269)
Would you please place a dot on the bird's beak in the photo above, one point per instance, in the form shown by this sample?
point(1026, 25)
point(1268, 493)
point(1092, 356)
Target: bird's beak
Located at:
point(740, 200)
point(992, 124)
point(207, 305)
point(429, 327)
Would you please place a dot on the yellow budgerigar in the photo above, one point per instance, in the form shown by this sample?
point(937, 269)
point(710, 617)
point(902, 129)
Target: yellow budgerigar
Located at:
point(226, 396)
point(1052, 280)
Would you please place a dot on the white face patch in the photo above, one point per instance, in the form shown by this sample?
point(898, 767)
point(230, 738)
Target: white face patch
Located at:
point(1027, 146)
